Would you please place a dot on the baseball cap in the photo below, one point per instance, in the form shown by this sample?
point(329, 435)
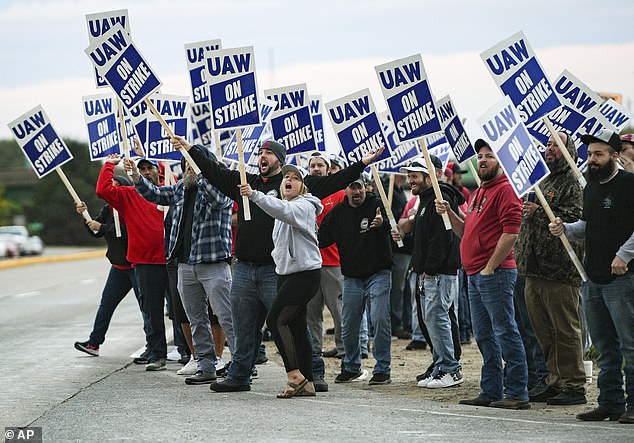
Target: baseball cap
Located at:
point(604, 136)
point(629, 138)
point(360, 180)
point(323, 155)
point(336, 160)
point(480, 144)
point(141, 160)
point(419, 165)
point(455, 168)
point(296, 169)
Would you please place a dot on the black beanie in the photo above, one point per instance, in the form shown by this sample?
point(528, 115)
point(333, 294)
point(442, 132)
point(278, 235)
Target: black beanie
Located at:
point(278, 149)
point(123, 181)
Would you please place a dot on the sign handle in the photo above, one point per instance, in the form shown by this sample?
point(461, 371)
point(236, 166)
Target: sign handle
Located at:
point(580, 178)
point(124, 139)
point(117, 223)
point(474, 172)
point(72, 192)
point(386, 205)
point(243, 175)
point(390, 190)
point(167, 128)
point(217, 141)
point(562, 237)
point(434, 179)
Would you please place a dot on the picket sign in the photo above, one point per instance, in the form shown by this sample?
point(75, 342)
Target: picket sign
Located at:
point(218, 147)
point(390, 190)
point(406, 90)
point(167, 128)
point(564, 151)
point(126, 148)
point(562, 237)
point(243, 175)
point(386, 204)
point(117, 222)
point(72, 191)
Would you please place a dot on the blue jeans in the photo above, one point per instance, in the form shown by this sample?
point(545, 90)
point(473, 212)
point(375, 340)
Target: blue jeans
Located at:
point(417, 333)
point(117, 286)
point(252, 294)
point(535, 361)
point(356, 291)
point(495, 331)
point(464, 312)
point(152, 283)
point(440, 293)
point(609, 310)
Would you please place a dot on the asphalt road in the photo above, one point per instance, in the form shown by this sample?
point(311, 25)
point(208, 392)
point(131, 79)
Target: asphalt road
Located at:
point(45, 382)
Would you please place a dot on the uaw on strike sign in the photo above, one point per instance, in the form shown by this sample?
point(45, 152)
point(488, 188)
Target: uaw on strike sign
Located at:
point(40, 143)
point(291, 121)
point(100, 23)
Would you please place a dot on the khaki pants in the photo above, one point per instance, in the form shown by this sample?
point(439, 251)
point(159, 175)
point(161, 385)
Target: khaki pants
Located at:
point(553, 309)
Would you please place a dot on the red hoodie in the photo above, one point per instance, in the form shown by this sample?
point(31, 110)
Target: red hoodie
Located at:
point(143, 220)
point(494, 209)
point(330, 254)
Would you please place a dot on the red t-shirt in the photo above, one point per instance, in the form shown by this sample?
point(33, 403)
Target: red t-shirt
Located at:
point(330, 254)
point(493, 209)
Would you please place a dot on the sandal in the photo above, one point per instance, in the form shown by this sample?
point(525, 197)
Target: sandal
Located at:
point(304, 392)
point(292, 389)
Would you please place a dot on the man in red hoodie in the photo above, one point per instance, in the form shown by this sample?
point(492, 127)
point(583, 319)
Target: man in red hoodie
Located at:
point(489, 232)
point(146, 250)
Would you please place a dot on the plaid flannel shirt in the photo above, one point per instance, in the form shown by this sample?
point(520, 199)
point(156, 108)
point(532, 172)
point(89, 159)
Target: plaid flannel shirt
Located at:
point(211, 228)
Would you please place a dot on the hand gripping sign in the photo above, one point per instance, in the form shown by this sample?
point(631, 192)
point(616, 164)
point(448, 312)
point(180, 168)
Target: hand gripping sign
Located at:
point(233, 95)
point(291, 121)
point(358, 130)
point(519, 75)
point(455, 133)
point(520, 158)
point(101, 121)
point(316, 112)
point(44, 149)
point(100, 23)
point(411, 104)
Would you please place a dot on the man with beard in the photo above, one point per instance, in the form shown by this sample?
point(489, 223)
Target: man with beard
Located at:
point(435, 260)
point(489, 232)
point(552, 282)
point(607, 226)
point(200, 242)
point(254, 285)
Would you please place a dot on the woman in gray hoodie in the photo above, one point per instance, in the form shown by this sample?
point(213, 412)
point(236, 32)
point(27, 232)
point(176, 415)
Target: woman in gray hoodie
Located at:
point(297, 264)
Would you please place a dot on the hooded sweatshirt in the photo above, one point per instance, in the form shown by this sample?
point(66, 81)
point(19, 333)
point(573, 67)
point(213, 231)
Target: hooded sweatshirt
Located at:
point(295, 245)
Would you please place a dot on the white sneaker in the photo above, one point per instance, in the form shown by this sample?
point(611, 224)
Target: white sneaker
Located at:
point(444, 380)
point(174, 355)
point(190, 368)
point(424, 382)
point(219, 364)
point(362, 377)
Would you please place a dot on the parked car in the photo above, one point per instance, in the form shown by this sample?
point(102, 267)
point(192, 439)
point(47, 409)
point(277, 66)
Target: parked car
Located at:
point(19, 235)
point(8, 249)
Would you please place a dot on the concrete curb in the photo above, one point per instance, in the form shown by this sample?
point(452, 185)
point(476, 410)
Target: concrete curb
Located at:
point(26, 261)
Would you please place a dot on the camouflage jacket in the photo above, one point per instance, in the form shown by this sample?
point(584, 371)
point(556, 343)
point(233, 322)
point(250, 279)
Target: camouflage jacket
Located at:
point(537, 252)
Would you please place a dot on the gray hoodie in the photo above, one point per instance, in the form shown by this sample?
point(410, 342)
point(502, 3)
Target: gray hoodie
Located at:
point(296, 247)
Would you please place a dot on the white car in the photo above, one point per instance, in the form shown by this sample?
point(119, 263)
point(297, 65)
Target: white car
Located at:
point(19, 235)
point(8, 249)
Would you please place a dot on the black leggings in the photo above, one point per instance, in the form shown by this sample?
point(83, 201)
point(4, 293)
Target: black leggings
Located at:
point(287, 320)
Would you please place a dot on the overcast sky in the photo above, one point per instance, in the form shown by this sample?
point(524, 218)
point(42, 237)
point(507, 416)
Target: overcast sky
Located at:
point(332, 46)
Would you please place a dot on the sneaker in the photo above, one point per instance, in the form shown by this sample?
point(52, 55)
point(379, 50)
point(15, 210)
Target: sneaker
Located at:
point(416, 345)
point(229, 385)
point(567, 398)
point(86, 347)
point(261, 359)
point(599, 414)
point(541, 394)
point(424, 378)
point(142, 359)
point(219, 364)
point(158, 365)
point(320, 384)
point(222, 372)
point(174, 355)
point(184, 358)
point(190, 368)
point(627, 417)
point(347, 376)
point(201, 378)
point(445, 380)
point(380, 379)
point(509, 403)
point(254, 373)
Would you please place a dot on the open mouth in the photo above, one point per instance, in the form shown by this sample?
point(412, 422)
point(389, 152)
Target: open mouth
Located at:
point(288, 186)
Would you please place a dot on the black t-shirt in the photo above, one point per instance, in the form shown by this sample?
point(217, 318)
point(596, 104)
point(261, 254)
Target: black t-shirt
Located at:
point(184, 241)
point(608, 210)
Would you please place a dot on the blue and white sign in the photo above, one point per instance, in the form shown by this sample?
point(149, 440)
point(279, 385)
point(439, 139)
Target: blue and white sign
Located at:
point(103, 131)
point(454, 131)
point(356, 124)
point(233, 88)
point(578, 100)
point(251, 136)
point(138, 117)
point(39, 141)
point(201, 117)
point(616, 114)
point(433, 140)
point(594, 124)
point(98, 24)
point(521, 160)
point(441, 151)
point(195, 55)
point(517, 72)
point(400, 153)
point(409, 99)
point(118, 60)
point(130, 132)
point(175, 111)
point(291, 122)
point(317, 114)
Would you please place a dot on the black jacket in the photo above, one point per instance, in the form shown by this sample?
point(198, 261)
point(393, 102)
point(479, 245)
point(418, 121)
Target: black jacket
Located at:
point(363, 251)
point(117, 246)
point(254, 238)
point(436, 250)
